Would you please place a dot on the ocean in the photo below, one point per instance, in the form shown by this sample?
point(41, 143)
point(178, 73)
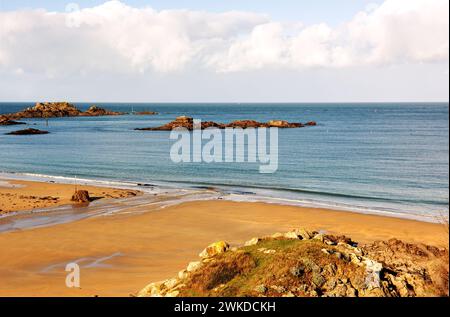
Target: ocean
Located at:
point(382, 158)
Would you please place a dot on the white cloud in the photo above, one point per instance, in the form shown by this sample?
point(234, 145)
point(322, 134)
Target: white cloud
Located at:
point(114, 37)
point(398, 31)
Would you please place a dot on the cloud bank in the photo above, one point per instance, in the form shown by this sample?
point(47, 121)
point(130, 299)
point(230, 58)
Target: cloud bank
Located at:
point(115, 37)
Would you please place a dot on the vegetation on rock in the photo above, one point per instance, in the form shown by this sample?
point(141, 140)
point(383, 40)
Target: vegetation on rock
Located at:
point(308, 264)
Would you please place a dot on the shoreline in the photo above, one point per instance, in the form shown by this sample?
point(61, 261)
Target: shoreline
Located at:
point(121, 253)
point(18, 196)
point(225, 192)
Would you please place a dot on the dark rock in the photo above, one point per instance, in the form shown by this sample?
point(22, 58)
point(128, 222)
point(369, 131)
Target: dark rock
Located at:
point(27, 132)
point(6, 121)
point(81, 196)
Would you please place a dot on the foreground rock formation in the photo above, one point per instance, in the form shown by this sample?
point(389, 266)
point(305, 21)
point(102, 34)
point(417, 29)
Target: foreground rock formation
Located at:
point(188, 123)
point(309, 264)
point(61, 109)
point(28, 132)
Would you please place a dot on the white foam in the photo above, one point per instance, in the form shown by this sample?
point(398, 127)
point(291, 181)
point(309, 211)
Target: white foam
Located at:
point(329, 205)
point(180, 195)
point(6, 184)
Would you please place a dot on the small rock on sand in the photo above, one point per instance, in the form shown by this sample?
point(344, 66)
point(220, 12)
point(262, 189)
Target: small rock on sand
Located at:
point(81, 196)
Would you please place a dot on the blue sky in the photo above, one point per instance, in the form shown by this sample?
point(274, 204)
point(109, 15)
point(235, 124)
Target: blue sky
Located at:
point(308, 11)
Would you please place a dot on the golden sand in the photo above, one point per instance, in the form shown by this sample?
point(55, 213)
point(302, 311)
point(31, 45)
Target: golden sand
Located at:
point(120, 254)
point(16, 195)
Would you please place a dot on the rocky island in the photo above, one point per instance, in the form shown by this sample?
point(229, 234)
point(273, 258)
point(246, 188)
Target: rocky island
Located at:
point(302, 263)
point(61, 109)
point(95, 111)
point(188, 123)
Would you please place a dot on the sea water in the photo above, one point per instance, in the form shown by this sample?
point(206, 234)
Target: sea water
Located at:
point(384, 158)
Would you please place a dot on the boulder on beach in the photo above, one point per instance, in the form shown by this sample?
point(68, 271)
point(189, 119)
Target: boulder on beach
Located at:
point(28, 132)
point(81, 196)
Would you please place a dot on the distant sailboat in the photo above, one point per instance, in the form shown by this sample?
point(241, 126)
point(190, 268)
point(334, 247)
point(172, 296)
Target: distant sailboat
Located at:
point(132, 110)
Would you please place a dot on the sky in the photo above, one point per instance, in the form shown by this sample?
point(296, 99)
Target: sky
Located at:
point(224, 51)
point(308, 11)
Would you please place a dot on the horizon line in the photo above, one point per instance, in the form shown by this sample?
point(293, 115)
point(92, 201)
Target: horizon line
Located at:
point(232, 102)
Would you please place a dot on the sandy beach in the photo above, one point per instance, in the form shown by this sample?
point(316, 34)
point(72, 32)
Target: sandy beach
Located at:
point(122, 253)
point(18, 195)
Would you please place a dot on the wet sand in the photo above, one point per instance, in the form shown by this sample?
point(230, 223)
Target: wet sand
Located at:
point(17, 195)
point(120, 254)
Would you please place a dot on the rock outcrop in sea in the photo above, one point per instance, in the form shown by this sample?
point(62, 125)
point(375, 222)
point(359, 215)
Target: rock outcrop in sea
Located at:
point(301, 263)
point(95, 111)
point(47, 110)
point(188, 123)
point(61, 109)
point(5, 121)
point(28, 132)
point(146, 113)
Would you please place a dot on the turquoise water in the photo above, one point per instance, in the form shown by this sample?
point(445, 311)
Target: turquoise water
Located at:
point(382, 158)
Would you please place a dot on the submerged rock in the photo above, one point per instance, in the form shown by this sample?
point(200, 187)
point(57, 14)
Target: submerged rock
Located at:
point(5, 121)
point(27, 132)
